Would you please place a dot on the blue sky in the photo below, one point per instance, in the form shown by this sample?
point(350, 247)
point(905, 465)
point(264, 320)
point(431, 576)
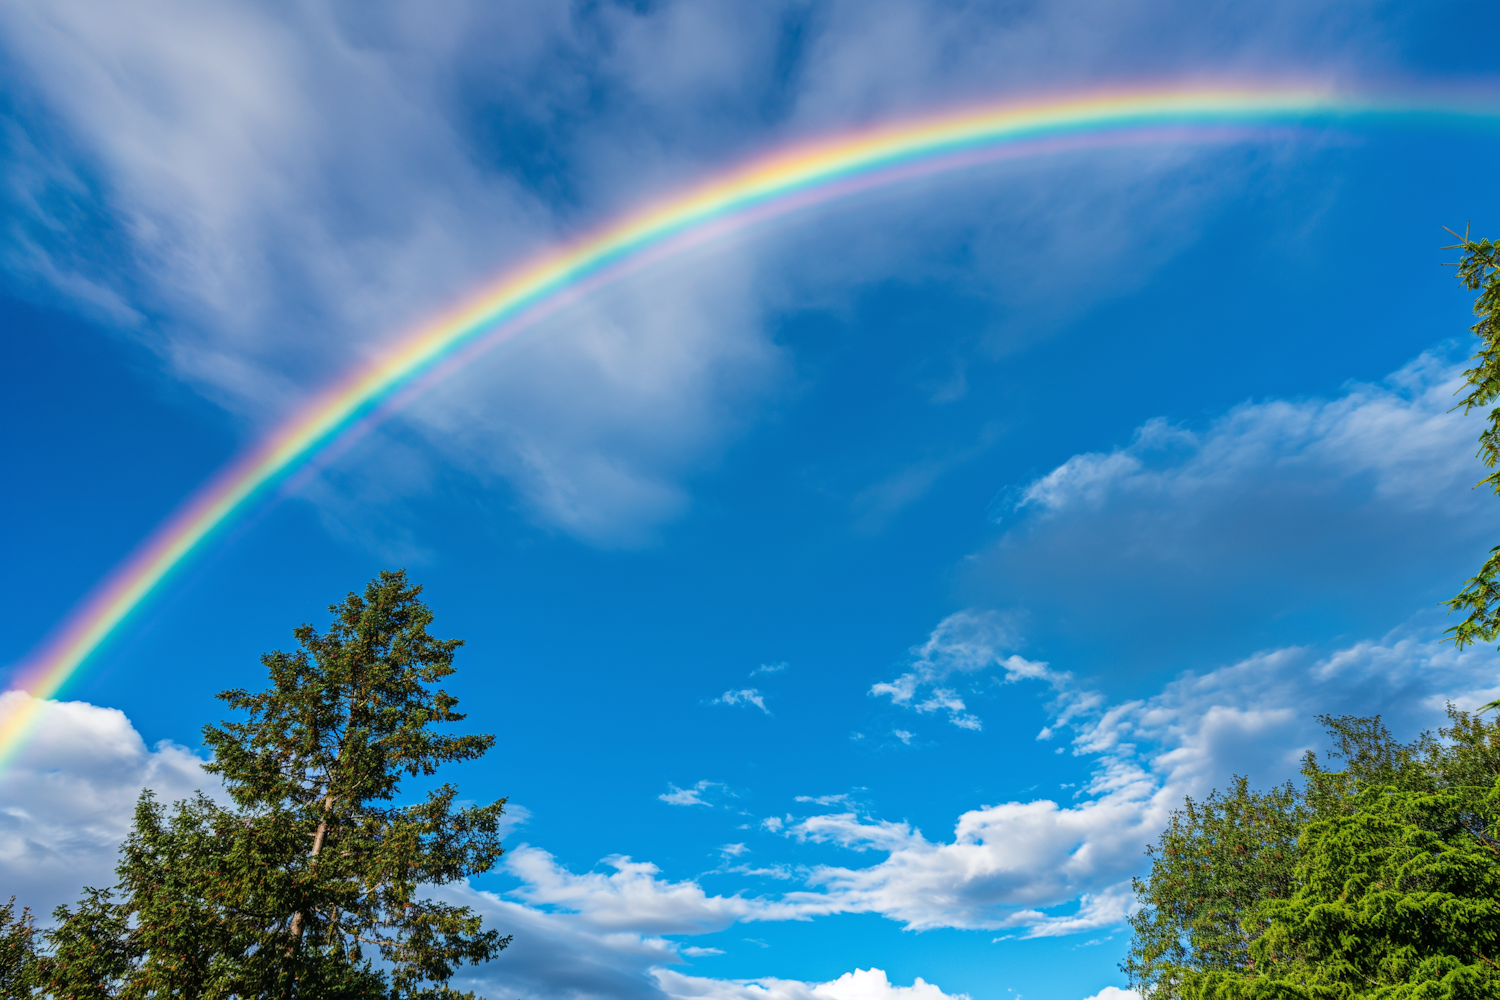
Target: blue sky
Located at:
point(861, 594)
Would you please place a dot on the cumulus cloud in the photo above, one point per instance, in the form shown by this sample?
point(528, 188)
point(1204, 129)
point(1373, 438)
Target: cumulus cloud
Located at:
point(632, 897)
point(1255, 717)
point(1015, 864)
point(69, 794)
point(597, 935)
point(1036, 868)
point(1005, 864)
point(558, 954)
point(861, 984)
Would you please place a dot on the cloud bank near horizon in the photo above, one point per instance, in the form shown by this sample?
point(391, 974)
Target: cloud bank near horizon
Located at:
point(1044, 867)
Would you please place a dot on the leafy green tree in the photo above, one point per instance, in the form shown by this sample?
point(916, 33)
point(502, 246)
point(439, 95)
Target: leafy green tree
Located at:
point(1385, 883)
point(1215, 863)
point(1479, 270)
point(1372, 757)
point(308, 885)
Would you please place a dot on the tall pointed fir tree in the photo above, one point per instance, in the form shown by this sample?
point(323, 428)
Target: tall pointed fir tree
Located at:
point(1479, 271)
point(308, 885)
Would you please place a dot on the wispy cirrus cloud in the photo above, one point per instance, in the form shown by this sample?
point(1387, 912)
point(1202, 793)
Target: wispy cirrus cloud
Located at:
point(964, 643)
point(1337, 515)
point(745, 696)
point(265, 195)
point(688, 796)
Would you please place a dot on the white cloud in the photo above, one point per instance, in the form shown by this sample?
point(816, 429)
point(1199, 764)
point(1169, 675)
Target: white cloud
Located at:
point(1051, 869)
point(825, 800)
point(559, 954)
point(688, 796)
point(284, 190)
point(1402, 434)
point(1255, 717)
point(1115, 993)
point(1007, 864)
point(861, 984)
point(780, 872)
point(963, 643)
point(1035, 868)
point(1306, 517)
point(748, 696)
point(265, 195)
point(633, 898)
point(69, 795)
point(770, 668)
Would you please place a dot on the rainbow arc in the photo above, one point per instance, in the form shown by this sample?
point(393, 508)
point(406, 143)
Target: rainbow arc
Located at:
point(773, 186)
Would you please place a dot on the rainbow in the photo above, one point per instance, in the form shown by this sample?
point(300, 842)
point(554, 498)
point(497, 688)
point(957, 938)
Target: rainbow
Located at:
point(769, 187)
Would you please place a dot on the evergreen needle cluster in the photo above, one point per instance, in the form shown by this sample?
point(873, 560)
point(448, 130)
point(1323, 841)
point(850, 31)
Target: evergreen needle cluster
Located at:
point(308, 883)
point(1479, 270)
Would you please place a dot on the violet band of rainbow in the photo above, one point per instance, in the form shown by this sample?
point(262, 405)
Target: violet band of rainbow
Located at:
point(800, 177)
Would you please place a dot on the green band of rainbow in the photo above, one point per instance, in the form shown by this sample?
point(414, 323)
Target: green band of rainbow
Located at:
point(809, 174)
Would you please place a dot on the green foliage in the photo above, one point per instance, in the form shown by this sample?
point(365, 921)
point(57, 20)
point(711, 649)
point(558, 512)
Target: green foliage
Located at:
point(1479, 270)
point(308, 885)
point(93, 951)
point(1396, 899)
point(1216, 862)
point(1372, 758)
point(18, 958)
point(1379, 878)
point(1392, 889)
